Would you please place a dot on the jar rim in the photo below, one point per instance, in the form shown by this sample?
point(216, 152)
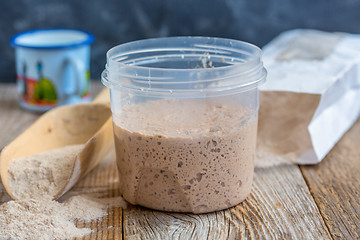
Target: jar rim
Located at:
point(133, 66)
point(52, 38)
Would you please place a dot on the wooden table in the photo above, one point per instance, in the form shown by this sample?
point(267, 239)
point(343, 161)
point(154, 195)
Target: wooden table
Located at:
point(287, 202)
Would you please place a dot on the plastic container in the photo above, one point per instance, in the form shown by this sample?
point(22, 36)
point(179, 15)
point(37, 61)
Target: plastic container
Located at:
point(52, 67)
point(185, 119)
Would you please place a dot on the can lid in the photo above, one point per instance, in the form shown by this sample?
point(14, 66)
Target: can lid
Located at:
point(52, 38)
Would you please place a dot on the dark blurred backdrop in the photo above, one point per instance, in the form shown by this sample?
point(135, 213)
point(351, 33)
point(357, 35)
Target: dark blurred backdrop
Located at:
point(118, 21)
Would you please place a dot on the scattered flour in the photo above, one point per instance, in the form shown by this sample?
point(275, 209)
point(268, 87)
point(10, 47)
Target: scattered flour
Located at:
point(43, 174)
point(44, 219)
point(35, 181)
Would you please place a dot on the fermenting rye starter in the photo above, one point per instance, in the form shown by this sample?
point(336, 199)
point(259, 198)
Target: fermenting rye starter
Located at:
point(185, 169)
point(185, 121)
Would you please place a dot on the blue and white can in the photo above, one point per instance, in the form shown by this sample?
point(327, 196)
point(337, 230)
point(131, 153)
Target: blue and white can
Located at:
point(52, 67)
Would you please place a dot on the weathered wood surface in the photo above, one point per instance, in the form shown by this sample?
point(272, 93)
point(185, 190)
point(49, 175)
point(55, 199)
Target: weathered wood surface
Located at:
point(335, 186)
point(103, 181)
point(281, 205)
point(13, 119)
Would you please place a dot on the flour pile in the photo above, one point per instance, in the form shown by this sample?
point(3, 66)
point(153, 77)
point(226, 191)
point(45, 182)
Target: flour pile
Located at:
point(48, 219)
point(42, 174)
point(36, 180)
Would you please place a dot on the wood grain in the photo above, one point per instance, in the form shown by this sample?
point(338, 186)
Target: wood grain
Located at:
point(103, 181)
point(13, 119)
point(335, 186)
point(279, 207)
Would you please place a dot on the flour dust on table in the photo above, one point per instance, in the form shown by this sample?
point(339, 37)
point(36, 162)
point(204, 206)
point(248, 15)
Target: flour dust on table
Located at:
point(45, 219)
point(35, 181)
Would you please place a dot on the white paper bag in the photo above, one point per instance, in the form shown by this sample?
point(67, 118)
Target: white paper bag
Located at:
point(311, 97)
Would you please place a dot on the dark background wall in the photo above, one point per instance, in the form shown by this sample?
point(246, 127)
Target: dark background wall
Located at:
point(118, 21)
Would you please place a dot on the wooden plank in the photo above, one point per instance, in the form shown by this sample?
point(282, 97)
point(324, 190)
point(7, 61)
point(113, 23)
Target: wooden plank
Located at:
point(13, 118)
point(103, 181)
point(335, 186)
point(279, 207)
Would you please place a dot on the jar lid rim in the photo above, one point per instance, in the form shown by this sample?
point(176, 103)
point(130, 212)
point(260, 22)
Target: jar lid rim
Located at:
point(241, 60)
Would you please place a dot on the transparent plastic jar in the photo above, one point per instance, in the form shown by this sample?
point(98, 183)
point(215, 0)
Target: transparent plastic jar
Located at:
point(185, 120)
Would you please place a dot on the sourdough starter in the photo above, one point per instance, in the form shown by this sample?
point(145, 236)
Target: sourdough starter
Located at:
point(185, 155)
